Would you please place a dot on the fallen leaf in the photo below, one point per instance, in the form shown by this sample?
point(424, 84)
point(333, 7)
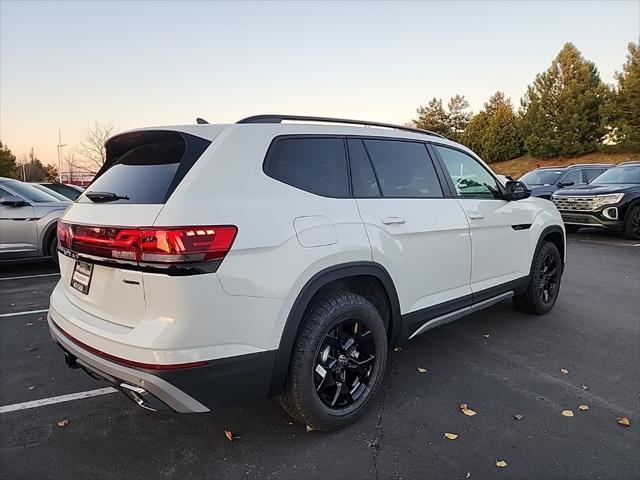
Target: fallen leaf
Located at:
point(310, 429)
point(451, 436)
point(501, 464)
point(624, 421)
point(397, 349)
point(422, 370)
point(584, 408)
point(564, 371)
point(464, 408)
point(63, 423)
point(229, 435)
point(289, 423)
point(30, 324)
point(584, 387)
point(567, 413)
point(468, 475)
point(518, 417)
point(31, 387)
point(486, 336)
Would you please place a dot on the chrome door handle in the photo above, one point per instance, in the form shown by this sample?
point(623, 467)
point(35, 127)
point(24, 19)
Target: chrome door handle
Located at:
point(474, 215)
point(393, 220)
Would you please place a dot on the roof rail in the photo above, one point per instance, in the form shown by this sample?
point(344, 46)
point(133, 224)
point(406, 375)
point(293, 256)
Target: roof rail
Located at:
point(280, 118)
point(630, 162)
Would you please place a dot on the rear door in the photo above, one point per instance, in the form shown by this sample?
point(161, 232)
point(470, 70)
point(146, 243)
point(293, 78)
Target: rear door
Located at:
point(499, 229)
point(418, 234)
point(130, 190)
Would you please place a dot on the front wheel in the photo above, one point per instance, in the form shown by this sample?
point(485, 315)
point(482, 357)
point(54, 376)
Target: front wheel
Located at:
point(632, 224)
point(544, 282)
point(338, 362)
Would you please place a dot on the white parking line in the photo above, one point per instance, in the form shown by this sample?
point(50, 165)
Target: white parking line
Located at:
point(30, 276)
point(60, 399)
point(15, 314)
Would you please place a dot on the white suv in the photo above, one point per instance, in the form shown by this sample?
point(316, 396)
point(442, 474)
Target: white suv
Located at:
point(208, 264)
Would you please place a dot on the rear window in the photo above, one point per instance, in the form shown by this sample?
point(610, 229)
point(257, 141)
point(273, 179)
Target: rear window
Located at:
point(315, 165)
point(146, 167)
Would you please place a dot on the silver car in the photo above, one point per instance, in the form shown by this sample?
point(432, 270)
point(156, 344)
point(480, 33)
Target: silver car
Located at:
point(28, 220)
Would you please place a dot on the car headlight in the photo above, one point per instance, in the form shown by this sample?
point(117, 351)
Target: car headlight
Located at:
point(601, 200)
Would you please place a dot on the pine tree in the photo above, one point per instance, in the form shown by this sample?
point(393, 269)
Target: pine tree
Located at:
point(433, 117)
point(562, 108)
point(458, 115)
point(8, 165)
point(623, 107)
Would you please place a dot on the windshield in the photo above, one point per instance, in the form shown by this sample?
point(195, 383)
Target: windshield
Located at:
point(541, 177)
point(29, 192)
point(623, 174)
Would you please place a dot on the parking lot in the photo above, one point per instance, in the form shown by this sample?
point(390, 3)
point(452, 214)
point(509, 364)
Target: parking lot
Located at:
point(499, 362)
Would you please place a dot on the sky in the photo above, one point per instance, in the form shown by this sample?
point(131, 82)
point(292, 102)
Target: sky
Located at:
point(69, 64)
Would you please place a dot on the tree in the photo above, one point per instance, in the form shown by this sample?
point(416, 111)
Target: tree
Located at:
point(50, 173)
point(623, 106)
point(450, 122)
point(33, 169)
point(493, 132)
point(8, 165)
point(92, 152)
point(562, 108)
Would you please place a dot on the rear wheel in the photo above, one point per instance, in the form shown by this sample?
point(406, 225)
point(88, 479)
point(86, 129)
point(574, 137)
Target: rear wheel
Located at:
point(53, 250)
point(544, 282)
point(632, 224)
point(338, 362)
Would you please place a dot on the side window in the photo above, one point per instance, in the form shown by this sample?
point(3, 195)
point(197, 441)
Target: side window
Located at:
point(403, 169)
point(364, 180)
point(574, 176)
point(315, 165)
point(469, 177)
point(590, 174)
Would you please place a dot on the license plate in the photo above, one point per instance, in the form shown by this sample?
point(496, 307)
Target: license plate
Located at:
point(81, 278)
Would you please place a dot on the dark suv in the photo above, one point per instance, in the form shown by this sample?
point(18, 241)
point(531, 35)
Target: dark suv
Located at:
point(544, 181)
point(610, 201)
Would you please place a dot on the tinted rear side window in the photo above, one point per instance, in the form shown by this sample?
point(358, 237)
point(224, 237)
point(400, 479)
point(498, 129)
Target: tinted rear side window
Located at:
point(404, 169)
point(363, 178)
point(315, 165)
point(590, 174)
point(146, 167)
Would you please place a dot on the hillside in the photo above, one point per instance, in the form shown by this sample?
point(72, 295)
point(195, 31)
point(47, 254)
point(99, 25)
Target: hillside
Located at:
point(521, 165)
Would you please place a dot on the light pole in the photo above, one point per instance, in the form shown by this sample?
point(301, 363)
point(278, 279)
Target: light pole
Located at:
point(60, 145)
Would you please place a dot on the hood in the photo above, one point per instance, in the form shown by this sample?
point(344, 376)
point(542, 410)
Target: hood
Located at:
point(599, 189)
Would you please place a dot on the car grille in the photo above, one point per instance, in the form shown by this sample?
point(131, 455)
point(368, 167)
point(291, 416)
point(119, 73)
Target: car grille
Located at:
point(580, 204)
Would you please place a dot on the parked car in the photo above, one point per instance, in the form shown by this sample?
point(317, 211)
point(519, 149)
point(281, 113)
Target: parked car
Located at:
point(28, 218)
point(51, 192)
point(208, 264)
point(611, 201)
point(68, 190)
point(544, 181)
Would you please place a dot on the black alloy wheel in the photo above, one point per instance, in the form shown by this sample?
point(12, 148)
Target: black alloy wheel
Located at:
point(549, 276)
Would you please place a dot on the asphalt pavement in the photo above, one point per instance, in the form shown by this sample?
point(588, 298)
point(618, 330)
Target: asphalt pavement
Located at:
point(500, 362)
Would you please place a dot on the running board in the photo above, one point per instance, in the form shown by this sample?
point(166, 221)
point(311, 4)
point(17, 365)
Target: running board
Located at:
point(450, 317)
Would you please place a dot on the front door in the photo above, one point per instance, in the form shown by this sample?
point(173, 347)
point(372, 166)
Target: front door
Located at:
point(18, 234)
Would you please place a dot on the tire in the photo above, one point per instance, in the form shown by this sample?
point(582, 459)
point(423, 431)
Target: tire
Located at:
point(53, 250)
point(571, 228)
point(632, 224)
point(344, 337)
point(544, 282)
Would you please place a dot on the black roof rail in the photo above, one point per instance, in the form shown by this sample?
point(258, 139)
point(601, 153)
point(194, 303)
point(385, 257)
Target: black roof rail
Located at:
point(302, 118)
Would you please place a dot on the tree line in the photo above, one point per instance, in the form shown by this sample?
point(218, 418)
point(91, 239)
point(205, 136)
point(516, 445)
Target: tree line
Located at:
point(567, 111)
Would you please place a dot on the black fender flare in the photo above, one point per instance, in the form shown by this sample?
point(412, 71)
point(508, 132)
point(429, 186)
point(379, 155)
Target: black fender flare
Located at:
point(319, 280)
point(546, 231)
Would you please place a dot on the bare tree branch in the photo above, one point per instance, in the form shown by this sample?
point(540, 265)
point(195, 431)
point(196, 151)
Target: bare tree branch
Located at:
point(92, 153)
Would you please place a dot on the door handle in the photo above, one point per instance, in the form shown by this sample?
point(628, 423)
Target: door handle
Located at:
point(474, 215)
point(393, 220)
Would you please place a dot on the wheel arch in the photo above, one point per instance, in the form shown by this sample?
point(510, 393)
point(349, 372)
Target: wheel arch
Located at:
point(554, 234)
point(335, 275)
point(49, 232)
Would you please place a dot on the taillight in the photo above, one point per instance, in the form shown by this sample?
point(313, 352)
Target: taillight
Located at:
point(160, 245)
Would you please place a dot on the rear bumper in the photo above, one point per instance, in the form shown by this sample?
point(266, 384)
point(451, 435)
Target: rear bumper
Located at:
point(221, 382)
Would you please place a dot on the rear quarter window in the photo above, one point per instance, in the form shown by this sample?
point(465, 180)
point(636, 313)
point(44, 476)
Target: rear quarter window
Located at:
point(315, 165)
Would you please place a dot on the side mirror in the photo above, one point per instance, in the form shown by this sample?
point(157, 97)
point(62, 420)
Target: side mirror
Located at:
point(515, 190)
point(565, 184)
point(12, 201)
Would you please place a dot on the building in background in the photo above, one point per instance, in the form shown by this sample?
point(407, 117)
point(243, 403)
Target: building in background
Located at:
point(77, 178)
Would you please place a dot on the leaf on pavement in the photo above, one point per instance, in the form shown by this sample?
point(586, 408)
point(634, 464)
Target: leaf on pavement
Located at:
point(310, 429)
point(518, 417)
point(63, 423)
point(451, 436)
point(422, 370)
point(584, 387)
point(464, 408)
point(397, 349)
point(567, 413)
point(584, 408)
point(229, 435)
point(468, 475)
point(486, 335)
point(564, 371)
point(624, 421)
point(501, 464)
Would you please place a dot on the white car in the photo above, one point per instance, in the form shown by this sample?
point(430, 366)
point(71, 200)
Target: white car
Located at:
point(208, 264)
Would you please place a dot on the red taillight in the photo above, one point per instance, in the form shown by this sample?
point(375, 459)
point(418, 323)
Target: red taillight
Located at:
point(149, 244)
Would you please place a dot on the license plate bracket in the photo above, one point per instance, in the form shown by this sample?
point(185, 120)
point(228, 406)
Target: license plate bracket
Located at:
point(81, 278)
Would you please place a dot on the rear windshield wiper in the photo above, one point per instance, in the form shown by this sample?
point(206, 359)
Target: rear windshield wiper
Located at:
point(99, 197)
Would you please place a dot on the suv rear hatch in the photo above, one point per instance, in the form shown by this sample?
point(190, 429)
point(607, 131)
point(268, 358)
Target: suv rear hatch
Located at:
point(106, 239)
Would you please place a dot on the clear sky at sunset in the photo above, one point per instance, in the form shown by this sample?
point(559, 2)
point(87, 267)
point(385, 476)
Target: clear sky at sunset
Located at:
point(68, 64)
